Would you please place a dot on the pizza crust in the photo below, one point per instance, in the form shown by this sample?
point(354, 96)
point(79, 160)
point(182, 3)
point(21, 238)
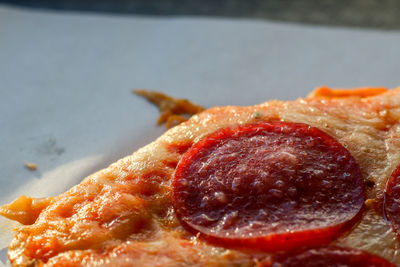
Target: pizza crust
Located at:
point(123, 214)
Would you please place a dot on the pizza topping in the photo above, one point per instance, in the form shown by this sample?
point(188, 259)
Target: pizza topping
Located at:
point(268, 186)
point(25, 209)
point(170, 108)
point(340, 93)
point(330, 256)
point(392, 200)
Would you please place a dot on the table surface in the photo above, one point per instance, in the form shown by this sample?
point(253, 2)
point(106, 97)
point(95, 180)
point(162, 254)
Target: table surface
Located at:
point(380, 14)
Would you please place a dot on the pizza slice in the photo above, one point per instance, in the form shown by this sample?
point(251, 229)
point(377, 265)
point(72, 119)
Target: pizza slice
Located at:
point(310, 182)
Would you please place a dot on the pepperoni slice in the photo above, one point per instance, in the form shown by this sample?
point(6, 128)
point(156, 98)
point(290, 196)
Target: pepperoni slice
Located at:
point(268, 186)
point(392, 200)
point(332, 257)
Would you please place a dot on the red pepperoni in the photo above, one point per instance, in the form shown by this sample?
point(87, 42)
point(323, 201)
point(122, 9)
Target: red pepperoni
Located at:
point(268, 186)
point(332, 257)
point(392, 200)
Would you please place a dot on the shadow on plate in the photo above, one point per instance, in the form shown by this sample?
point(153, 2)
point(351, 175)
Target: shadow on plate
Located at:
point(3, 256)
point(381, 14)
